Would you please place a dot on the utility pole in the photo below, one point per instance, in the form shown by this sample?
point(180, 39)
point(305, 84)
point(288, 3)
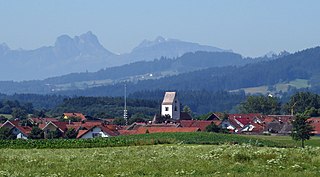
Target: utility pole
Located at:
point(293, 108)
point(125, 112)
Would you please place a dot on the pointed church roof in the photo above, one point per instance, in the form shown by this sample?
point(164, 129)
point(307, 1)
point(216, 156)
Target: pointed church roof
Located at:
point(169, 98)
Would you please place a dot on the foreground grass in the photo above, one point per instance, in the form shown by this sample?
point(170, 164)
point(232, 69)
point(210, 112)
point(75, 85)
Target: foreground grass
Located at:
point(162, 160)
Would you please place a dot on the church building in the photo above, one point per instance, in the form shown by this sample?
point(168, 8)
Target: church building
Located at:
point(171, 106)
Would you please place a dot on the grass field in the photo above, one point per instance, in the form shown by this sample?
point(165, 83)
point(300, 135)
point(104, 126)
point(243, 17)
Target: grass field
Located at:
point(287, 140)
point(162, 160)
point(298, 83)
point(8, 116)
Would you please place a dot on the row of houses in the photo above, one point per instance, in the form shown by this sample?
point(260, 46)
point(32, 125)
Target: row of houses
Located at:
point(84, 128)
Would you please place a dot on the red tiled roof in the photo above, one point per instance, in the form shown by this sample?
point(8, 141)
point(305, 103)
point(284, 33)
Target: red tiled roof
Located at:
point(269, 119)
point(128, 132)
point(234, 123)
point(143, 130)
point(75, 114)
point(244, 121)
point(61, 125)
point(103, 128)
point(74, 125)
point(202, 124)
point(258, 128)
point(315, 123)
point(109, 131)
point(42, 125)
point(112, 127)
point(43, 120)
point(81, 133)
point(250, 116)
point(283, 118)
point(89, 125)
point(23, 129)
point(167, 129)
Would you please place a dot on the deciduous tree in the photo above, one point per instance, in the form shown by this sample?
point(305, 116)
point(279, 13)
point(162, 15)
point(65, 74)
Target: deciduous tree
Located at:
point(301, 129)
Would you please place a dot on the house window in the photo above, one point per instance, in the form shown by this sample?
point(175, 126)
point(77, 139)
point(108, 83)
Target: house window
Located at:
point(166, 108)
point(94, 135)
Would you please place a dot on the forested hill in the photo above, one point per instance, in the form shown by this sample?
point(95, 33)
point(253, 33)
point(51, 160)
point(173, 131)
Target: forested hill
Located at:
point(300, 65)
point(131, 72)
point(187, 62)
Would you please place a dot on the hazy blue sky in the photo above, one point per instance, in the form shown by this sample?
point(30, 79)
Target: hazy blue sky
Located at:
point(249, 27)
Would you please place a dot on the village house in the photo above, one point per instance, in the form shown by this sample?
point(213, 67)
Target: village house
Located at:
point(52, 127)
point(201, 124)
point(88, 129)
point(154, 129)
point(315, 123)
point(42, 120)
point(74, 115)
point(97, 131)
point(278, 124)
point(20, 131)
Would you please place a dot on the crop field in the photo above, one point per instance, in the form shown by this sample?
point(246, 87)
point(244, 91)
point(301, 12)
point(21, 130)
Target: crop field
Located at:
point(158, 138)
point(8, 116)
point(162, 160)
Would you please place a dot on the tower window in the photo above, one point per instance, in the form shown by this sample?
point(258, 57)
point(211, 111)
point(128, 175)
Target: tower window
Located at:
point(175, 108)
point(167, 108)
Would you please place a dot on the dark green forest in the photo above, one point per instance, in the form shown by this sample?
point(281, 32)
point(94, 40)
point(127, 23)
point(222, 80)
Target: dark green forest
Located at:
point(146, 104)
point(38, 101)
point(106, 107)
point(200, 102)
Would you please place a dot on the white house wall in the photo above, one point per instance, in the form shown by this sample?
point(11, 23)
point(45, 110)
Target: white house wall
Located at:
point(171, 109)
point(164, 112)
point(95, 130)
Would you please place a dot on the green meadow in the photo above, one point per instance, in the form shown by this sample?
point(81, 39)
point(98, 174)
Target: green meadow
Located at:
point(163, 154)
point(162, 160)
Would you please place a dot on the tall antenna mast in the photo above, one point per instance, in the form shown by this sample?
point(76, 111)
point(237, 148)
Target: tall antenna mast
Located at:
point(125, 112)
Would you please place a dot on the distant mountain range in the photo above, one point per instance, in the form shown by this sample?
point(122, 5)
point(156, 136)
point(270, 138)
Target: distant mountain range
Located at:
point(212, 70)
point(169, 48)
point(134, 72)
point(141, 72)
point(85, 53)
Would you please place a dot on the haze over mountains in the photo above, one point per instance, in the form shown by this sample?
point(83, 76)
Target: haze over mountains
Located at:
point(85, 53)
point(152, 65)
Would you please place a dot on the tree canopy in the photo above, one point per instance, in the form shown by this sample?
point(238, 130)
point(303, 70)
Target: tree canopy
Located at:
point(261, 104)
point(301, 129)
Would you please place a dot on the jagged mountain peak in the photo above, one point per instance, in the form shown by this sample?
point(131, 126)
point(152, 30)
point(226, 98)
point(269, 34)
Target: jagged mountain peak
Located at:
point(166, 47)
point(4, 45)
point(84, 43)
point(63, 40)
point(89, 37)
point(4, 48)
point(274, 55)
point(158, 40)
